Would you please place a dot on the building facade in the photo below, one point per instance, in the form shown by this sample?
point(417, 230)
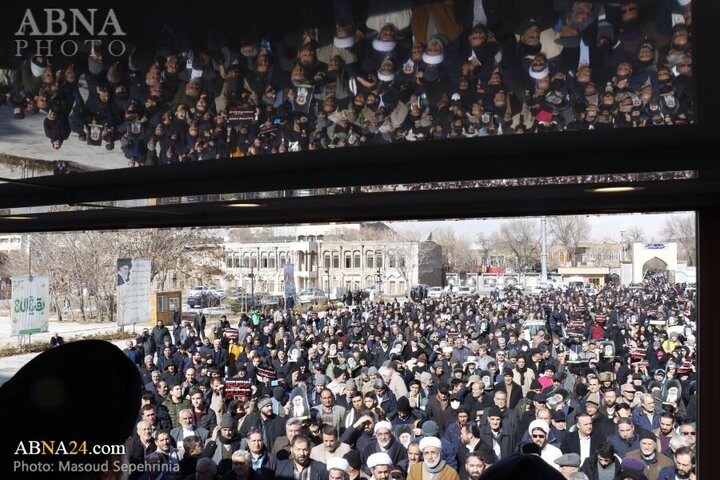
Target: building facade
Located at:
point(334, 259)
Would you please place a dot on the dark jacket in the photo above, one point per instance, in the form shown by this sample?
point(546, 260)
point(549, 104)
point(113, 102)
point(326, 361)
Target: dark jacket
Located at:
point(275, 426)
point(286, 470)
point(357, 438)
point(481, 448)
point(667, 473)
point(443, 417)
point(220, 358)
point(514, 396)
point(208, 419)
point(506, 440)
point(396, 451)
point(590, 467)
point(571, 442)
point(158, 335)
point(252, 475)
point(268, 466)
point(389, 404)
point(622, 447)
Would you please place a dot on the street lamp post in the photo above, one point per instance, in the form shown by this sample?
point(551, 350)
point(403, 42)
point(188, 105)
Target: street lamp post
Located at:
point(252, 284)
point(327, 293)
point(379, 280)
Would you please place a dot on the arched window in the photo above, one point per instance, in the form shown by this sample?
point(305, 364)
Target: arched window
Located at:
point(283, 260)
point(392, 263)
point(348, 260)
point(326, 260)
point(369, 260)
point(356, 259)
point(271, 260)
point(301, 262)
point(236, 260)
point(336, 260)
point(264, 260)
point(378, 258)
point(246, 260)
point(253, 260)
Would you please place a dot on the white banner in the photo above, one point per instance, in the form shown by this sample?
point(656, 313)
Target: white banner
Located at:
point(133, 291)
point(289, 278)
point(30, 308)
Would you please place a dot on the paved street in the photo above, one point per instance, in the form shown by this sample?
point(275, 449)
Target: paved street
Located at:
point(67, 330)
point(26, 139)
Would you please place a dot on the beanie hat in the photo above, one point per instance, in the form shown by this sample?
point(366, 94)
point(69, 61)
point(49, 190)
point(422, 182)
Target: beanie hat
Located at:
point(494, 411)
point(647, 435)
point(353, 459)
point(403, 404)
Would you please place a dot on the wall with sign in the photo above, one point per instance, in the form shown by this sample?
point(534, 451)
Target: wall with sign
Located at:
point(655, 256)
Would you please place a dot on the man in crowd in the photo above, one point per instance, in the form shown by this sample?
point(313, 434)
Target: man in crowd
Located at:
point(300, 465)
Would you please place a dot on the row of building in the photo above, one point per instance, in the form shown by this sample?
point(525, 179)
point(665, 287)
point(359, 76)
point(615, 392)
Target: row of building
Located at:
point(335, 258)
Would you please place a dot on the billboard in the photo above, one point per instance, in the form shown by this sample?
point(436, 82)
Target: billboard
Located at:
point(289, 279)
point(30, 305)
point(133, 290)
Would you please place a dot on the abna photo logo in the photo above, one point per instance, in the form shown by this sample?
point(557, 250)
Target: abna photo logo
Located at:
point(51, 31)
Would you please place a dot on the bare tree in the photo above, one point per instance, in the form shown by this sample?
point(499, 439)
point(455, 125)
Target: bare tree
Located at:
point(81, 266)
point(484, 245)
point(521, 238)
point(457, 254)
point(421, 262)
point(186, 251)
point(681, 229)
point(570, 231)
point(634, 234)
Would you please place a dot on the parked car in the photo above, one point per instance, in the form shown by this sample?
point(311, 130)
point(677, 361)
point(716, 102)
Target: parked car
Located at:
point(198, 289)
point(311, 296)
point(203, 300)
point(217, 291)
point(249, 301)
point(435, 292)
point(463, 292)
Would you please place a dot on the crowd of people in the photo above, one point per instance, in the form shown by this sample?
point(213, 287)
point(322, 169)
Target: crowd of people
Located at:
point(376, 73)
point(449, 388)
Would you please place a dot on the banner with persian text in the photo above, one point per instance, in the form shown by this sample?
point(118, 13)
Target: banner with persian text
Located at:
point(30, 305)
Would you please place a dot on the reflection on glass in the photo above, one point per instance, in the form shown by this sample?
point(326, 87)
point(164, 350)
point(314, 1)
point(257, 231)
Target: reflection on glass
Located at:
point(351, 76)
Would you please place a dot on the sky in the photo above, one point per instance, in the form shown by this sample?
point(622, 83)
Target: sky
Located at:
point(602, 226)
